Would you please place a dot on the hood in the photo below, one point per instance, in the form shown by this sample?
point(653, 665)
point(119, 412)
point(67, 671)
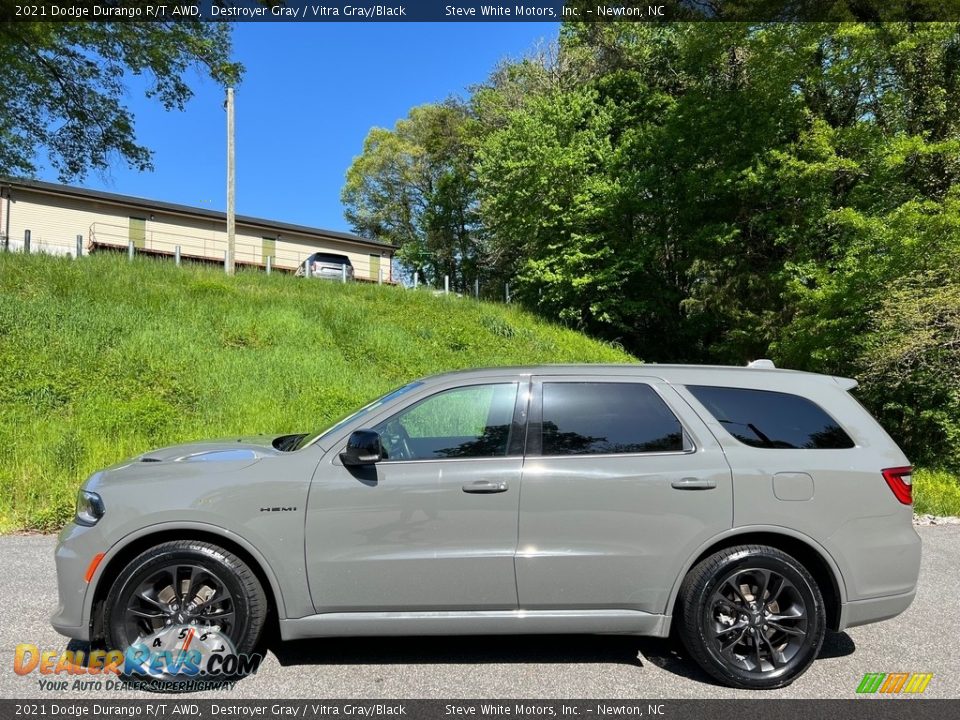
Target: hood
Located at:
point(240, 449)
point(197, 458)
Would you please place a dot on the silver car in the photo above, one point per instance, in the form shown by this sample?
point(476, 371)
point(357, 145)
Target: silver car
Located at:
point(751, 509)
point(330, 266)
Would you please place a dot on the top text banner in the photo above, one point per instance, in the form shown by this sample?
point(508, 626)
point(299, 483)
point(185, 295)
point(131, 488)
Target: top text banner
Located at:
point(473, 11)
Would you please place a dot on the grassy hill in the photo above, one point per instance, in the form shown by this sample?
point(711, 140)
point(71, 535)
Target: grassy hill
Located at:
point(102, 359)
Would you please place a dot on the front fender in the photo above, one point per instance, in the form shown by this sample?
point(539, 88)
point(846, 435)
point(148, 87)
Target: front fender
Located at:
point(185, 529)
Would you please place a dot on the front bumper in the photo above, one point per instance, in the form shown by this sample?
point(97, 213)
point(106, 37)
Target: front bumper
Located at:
point(76, 547)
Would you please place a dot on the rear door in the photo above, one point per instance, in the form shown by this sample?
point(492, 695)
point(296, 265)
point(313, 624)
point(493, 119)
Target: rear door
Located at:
point(622, 482)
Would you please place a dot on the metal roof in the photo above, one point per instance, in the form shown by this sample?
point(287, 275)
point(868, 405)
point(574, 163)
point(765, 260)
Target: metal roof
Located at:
point(160, 206)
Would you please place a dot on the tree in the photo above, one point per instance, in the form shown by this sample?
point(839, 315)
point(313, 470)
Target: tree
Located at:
point(64, 83)
point(910, 362)
point(413, 186)
point(728, 191)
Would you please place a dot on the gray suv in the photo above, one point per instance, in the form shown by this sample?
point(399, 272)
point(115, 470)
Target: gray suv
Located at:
point(749, 509)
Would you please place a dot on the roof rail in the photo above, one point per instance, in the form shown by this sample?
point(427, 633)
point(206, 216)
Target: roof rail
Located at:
point(762, 363)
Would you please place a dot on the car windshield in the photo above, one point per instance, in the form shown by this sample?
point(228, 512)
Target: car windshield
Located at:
point(311, 438)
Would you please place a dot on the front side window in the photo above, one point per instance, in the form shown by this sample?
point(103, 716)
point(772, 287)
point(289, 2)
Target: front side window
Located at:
point(768, 419)
point(465, 422)
point(602, 418)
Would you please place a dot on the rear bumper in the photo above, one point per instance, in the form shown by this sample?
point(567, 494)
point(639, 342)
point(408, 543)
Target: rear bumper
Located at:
point(863, 612)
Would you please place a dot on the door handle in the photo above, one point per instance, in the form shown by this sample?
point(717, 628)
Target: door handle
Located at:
point(485, 487)
point(692, 483)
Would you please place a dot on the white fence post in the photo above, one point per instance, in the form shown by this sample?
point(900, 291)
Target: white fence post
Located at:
point(79, 246)
point(269, 263)
point(26, 242)
point(306, 268)
point(506, 292)
point(130, 250)
point(176, 255)
point(343, 273)
point(446, 284)
point(476, 288)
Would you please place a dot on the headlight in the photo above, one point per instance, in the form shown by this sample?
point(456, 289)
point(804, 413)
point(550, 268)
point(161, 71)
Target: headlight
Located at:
point(89, 508)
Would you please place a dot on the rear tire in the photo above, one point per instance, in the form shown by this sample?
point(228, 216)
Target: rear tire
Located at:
point(752, 617)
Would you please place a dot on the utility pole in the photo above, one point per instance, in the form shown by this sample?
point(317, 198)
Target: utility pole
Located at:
point(229, 264)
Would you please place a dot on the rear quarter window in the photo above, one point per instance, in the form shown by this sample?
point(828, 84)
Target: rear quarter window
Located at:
point(769, 419)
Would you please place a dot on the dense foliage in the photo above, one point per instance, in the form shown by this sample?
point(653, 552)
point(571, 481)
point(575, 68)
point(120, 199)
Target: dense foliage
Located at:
point(709, 192)
point(65, 84)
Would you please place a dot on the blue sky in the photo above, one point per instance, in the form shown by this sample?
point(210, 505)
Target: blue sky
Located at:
point(310, 94)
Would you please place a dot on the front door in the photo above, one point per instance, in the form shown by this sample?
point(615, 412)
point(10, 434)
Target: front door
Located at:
point(433, 525)
point(622, 482)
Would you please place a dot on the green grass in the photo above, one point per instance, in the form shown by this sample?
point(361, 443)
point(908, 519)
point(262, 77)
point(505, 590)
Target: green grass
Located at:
point(102, 359)
point(936, 492)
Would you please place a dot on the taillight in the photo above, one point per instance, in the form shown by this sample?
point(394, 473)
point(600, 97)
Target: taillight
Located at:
point(900, 481)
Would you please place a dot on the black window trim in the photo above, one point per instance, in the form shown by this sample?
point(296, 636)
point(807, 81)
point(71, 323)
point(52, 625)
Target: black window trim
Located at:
point(534, 446)
point(518, 429)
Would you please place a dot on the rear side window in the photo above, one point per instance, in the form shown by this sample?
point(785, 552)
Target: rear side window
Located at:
point(767, 419)
point(603, 418)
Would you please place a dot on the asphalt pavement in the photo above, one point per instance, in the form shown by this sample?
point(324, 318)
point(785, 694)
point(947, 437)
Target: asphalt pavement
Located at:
point(924, 639)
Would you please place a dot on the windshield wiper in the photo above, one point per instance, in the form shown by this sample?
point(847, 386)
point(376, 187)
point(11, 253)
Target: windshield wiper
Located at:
point(288, 443)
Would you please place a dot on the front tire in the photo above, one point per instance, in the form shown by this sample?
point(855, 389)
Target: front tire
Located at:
point(752, 617)
point(185, 583)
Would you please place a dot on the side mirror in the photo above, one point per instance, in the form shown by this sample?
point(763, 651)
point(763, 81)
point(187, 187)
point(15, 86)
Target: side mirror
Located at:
point(363, 448)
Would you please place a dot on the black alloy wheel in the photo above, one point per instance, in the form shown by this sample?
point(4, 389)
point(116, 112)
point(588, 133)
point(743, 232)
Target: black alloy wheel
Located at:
point(184, 584)
point(752, 617)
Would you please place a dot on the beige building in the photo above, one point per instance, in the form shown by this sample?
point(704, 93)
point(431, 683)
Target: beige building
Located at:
point(56, 214)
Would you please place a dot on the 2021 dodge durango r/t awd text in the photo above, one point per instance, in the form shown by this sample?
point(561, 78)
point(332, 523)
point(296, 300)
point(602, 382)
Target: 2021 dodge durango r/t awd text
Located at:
point(750, 508)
